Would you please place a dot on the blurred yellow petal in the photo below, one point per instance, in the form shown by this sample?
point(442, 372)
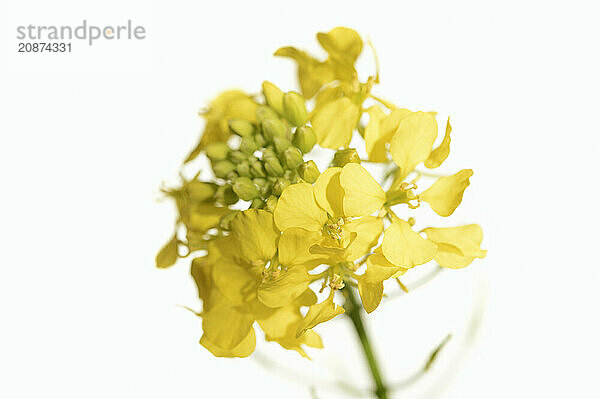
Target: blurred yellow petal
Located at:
point(413, 140)
point(362, 194)
point(334, 122)
point(457, 246)
point(294, 246)
point(404, 247)
point(374, 140)
point(367, 229)
point(243, 349)
point(297, 208)
point(278, 323)
point(312, 73)
point(342, 43)
point(225, 326)
point(329, 193)
point(168, 254)
point(205, 216)
point(445, 195)
point(440, 154)
point(284, 288)
point(236, 283)
point(318, 314)
point(255, 233)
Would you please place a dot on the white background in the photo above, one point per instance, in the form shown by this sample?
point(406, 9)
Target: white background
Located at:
point(88, 137)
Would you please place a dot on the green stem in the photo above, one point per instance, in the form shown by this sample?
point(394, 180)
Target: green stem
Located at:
point(354, 312)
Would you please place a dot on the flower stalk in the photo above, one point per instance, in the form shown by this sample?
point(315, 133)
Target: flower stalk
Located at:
point(354, 313)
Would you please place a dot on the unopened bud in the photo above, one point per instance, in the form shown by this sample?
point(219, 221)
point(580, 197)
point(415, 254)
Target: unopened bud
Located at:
point(308, 171)
point(305, 138)
point(237, 156)
point(200, 191)
point(217, 151)
point(271, 203)
point(343, 157)
point(256, 168)
point(242, 127)
point(245, 188)
point(225, 222)
point(243, 169)
point(274, 127)
point(223, 168)
point(294, 108)
point(281, 143)
point(265, 112)
point(280, 185)
point(260, 140)
point(273, 96)
point(257, 203)
point(248, 145)
point(273, 166)
point(292, 157)
point(226, 195)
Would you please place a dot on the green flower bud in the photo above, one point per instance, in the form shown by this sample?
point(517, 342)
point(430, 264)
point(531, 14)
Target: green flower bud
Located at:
point(292, 157)
point(290, 174)
point(257, 203)
point(281, 143)
point(294, 108)
point(280, 185)
point(271, 203)
point(256, 168)
point(217, 151)
point(274, 127)
point(273, 96)
point(260, 140)
point(248, 145)
point(245, 188)
point(232, 175)
point(343, 157)
point(242, 127)
point(223, 168)
point(200, 191)
point(243, 169)
point(308, 171)
point(305, 138)
point(273, 166)
point(226, 196)
point(265, 112)
point(237, 156)
point(225, 221)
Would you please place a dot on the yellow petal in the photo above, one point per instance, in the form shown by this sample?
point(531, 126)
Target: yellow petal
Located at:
point(255, 233)
point(457, 246)
point(201, 272)
point(334, 122)
point(243, 349)
point(445, 195)
point(312, 73)
point(370, 284)
point(367, 229)
point(342, 43)
point(297, 208)
point(294, 246)
point(205, 216)
point(236, 283)
point(362, 194)
point(278, 323)
point(404, 247)
point(413, 140)
point(440, 154)
point(284, 288)
point(225, 326)
point(329, 194)
point(318, 314)
point(168, 255)
point(370, 294)
point(374, 142)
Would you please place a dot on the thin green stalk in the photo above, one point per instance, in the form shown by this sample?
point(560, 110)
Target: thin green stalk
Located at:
point(354, 312)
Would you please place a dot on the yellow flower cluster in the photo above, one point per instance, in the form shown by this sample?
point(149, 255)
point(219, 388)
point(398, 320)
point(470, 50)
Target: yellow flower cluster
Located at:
point(303, 230)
